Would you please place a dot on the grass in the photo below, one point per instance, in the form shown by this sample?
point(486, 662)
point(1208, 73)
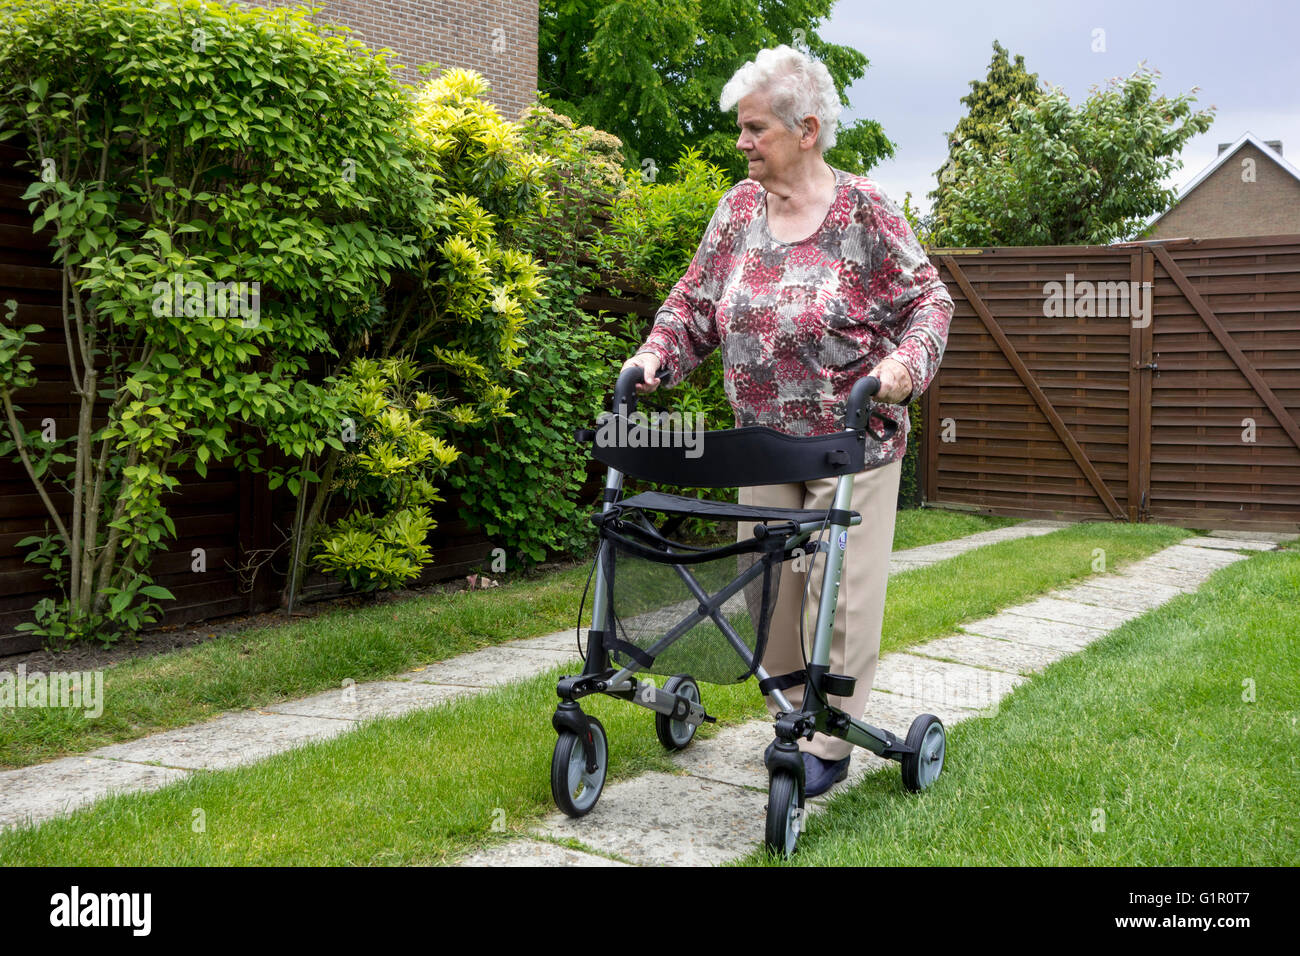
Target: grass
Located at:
point(266, 665)
point(1143, 750)
point(917, 526)
point(428, 786)
point(412, 790)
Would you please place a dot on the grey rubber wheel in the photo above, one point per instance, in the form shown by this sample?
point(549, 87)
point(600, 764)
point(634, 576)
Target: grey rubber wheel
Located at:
point(676, 734)
point(784, 813)
point(574, 789)
point(928, 739)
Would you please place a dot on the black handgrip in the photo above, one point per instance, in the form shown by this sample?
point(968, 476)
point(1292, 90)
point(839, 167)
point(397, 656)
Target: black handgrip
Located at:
point(625, 389)
point(858, 409)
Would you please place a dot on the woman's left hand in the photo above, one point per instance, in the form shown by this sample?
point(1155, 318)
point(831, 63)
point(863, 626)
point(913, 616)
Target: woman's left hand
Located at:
point(895, 381)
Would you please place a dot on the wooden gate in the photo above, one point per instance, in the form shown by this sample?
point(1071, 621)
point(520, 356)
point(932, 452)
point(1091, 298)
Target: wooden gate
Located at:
point(1142, 381)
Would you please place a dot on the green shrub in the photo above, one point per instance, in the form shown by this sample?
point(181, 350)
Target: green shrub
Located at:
point(176, 149)
point(522, 482)
point(909, 484)
point(387, 478)
point(459, 311)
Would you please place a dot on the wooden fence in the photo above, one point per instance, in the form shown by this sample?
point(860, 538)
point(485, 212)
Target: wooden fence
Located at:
point(1062, 394)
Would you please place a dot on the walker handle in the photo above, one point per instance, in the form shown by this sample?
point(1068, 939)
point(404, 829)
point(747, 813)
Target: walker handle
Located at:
point(858, 411)
point(625, 389)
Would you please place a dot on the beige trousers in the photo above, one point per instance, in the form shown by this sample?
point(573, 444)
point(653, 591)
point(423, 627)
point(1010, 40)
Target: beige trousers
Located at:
point(860, 609)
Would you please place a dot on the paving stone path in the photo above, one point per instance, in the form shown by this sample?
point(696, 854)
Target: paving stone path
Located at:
point(32, 794)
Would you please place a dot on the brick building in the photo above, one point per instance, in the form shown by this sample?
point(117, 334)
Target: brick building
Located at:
point(1249, 190)
point(497, 38)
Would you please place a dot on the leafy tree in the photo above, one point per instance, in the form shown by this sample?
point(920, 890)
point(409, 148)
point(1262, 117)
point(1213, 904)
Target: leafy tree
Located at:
point(1058, 174)
point(651, 71)
point(178, 149)
point(989, 102)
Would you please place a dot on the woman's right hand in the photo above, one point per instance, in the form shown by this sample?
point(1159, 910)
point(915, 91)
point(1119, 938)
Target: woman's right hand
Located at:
point(649, 363)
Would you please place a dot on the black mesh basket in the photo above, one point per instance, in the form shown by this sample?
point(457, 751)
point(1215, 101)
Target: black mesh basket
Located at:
point(668, 599)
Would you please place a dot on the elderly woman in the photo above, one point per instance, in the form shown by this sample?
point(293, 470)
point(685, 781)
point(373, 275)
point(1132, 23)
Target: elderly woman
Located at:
point(809, 278)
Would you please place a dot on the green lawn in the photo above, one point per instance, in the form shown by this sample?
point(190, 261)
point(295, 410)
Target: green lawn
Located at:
point(917, 526)
point(1143, 750)
point(427, 787)
point(257, 667)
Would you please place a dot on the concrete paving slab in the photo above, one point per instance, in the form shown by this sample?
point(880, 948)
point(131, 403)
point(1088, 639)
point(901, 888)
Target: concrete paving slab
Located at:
point(658, 819)
point(734, 756)
point(1273, 536)
point(1229, 544)
point(909, 708)
point(370, 699)
point(895, 712)
point(1072, 612)
point(939, 685)
point(561, 641)
point(991, 652)
point(228, 741)
point(42, 791)
point(1133, 585)
point(535, 853)
point(1135, 600)
point(1204, 561)
point(1028, 630)
point(1144, 572)
point(489, 667)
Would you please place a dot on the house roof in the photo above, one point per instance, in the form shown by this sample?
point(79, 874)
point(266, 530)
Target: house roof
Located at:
point(1223, 157)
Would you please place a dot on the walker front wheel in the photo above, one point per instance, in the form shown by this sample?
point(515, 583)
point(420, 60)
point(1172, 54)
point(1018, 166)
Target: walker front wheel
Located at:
point(676, 734)
point(784, 813)
point(574, 788)
point(928, 742)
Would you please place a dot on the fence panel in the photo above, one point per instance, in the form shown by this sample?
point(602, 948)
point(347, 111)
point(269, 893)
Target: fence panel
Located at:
point(1141, 381)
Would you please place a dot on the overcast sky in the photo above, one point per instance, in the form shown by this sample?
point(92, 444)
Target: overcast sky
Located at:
point(1243, 55)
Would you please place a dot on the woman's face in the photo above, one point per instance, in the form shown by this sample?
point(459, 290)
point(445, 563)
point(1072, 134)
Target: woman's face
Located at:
point(772, 149)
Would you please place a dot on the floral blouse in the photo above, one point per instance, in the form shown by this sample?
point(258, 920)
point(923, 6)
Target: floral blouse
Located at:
point(799, 322)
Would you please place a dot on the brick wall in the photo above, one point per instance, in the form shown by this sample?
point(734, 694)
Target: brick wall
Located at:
point(497, 39)
point(1224, 205)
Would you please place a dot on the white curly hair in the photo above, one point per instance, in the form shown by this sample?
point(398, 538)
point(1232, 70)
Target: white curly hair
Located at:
point(799, 85)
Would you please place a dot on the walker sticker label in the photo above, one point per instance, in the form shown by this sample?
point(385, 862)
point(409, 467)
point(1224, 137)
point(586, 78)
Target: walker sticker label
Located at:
point(844, 539)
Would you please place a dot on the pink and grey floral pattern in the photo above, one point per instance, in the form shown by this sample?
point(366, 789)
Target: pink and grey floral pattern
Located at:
point(798, 323)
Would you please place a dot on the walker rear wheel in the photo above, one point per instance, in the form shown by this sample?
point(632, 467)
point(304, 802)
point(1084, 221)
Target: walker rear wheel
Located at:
point(784, 813)
point(574, 788)
point(676, 734)
point(928, 740)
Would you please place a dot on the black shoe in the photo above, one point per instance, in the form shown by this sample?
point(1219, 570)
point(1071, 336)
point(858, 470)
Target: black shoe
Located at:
point(820, 775)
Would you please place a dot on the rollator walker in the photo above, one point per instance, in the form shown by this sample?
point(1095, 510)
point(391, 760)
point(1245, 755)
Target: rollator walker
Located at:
point(701, 614)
